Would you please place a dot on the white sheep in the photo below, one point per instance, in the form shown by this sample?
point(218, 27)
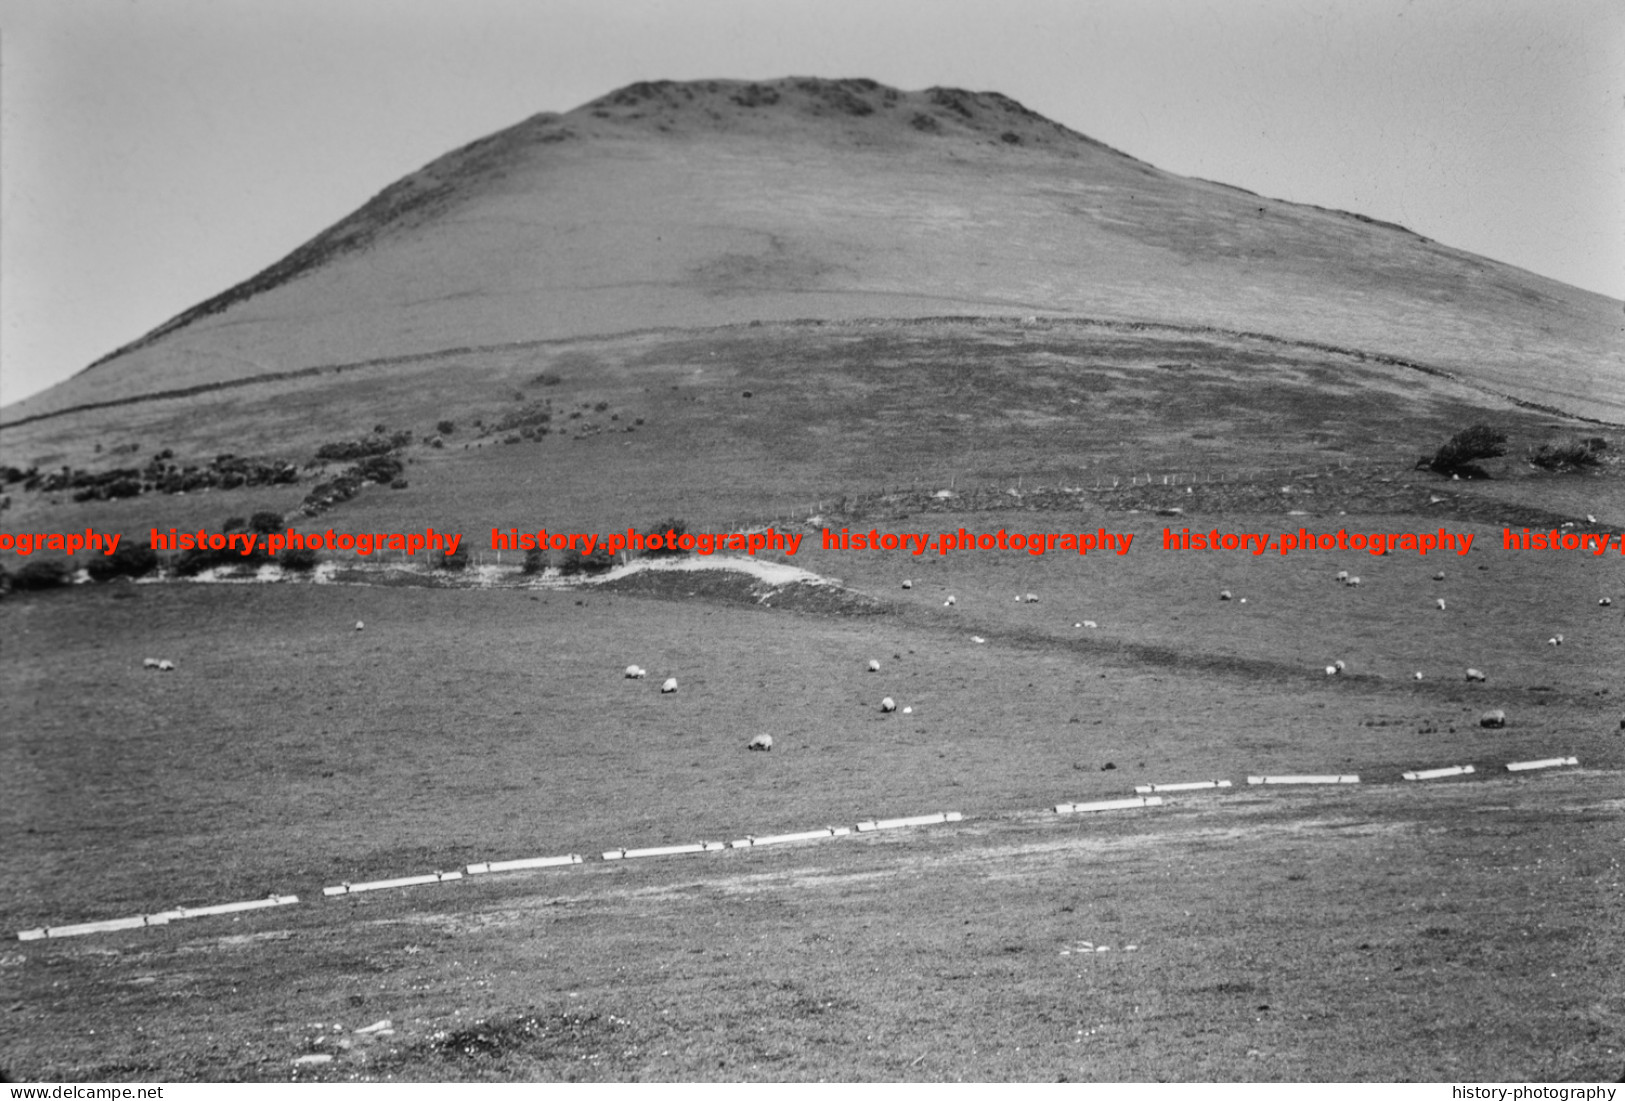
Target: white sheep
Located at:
point(1032, 598)
point(908, 711)
point(874, 666)
point(1224, 595)
point(1091, 624)
point(888, 704)
point(1494, 719)
point(1342, 575)
point(1340, 665)
point(1440, 603)
point(761, 741)
point(1474, 674)
point(167, 666)
point(670, 685)
point(1352, 581)
point(149, 663)
point(1604, 602)
point(950, 602)
point(1555, 640)
point(908, 584)
point(1418, 675)
point(359, 625)
point(1331, 670)
point(635, 672)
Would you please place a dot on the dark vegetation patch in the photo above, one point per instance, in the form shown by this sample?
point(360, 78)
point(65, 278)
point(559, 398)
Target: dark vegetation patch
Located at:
point(756, 95)
point(575, 1037)
point(160, 475)
point(1564, 458)
point(378, 443)
point(1459, 456)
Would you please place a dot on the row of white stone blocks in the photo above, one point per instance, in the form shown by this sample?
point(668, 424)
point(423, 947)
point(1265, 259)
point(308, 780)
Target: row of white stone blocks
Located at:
point(866, 826)
point(1143, 799)
point(163, 917)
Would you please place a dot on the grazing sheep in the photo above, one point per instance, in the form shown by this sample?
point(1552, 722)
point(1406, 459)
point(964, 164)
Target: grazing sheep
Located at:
point(1224, 595)
point(888, 704)
point(359, 625)
point(1604, 602)
point(1331, 670)
point(1439, 576)
point(1493, 719)
point(977, 638)
point(1352, 581)
point(167, 666)
point(635, 672)
point(874, 666)
point(1418, 675)
point(1032, 598)
point(1340, 665)
point(1474, 674)
point(1555, 640)
point(149, 663)
point(761, 741)
point(670, 685)
point(910, 711)
point(1091, 624)
point(1342, 575)
point(950, 602)
point(1440, 603)
point(908, 584)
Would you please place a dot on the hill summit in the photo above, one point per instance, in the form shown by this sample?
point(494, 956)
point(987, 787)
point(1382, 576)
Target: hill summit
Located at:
point(692, 204)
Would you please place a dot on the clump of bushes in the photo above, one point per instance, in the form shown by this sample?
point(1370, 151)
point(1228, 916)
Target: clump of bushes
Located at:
point(1564, 457)
point(379, 443)
point(455, 562)
point(672, 527)
point(533, 415)
point(445, 428)
point(535, 561)
point(47, 573)
point(299, 560)
point(1460, 454)
point(130, 560)
point(577, 562)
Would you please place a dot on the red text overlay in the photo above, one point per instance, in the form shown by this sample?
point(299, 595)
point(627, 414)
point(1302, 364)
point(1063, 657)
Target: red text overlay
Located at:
point(1038, 542)
point(1595, 543)
point(363, 543)
point(1375, 542)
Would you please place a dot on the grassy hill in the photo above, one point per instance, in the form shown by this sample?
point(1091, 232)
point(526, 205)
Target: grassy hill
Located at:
point(829, 304)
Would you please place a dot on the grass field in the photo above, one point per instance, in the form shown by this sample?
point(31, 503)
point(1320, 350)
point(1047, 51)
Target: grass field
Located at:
point(1462, 929)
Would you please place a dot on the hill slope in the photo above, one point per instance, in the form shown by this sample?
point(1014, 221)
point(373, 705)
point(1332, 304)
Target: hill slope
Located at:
point(686, 205)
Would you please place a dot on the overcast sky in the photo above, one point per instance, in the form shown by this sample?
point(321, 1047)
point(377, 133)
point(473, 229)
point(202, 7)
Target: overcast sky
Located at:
point(153, 152)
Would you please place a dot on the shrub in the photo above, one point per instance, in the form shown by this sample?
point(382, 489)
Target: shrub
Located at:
point(576, 562)
point(234, 523)
point(446, 428)
point(44, 574)
point(1564, 457)
point(535, 561)
point(130, 560)
point(300, 560)
point(193, 562)
point(673, 527)
point(265, 522)
point(456, 562)
point(1459, 454)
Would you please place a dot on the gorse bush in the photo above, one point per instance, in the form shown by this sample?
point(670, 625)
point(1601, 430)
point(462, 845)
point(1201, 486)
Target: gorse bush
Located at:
point(1459, 456)
point(130, 560)
point(1560, 458)
point(669, 531)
